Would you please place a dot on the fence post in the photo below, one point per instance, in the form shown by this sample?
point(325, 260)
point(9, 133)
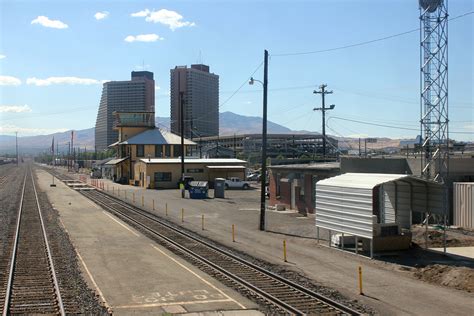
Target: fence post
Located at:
point(233, 233)
point(284, 250)
point(202, 221)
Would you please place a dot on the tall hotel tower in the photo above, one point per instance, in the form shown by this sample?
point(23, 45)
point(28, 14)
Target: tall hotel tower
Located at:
point(200, 92)
point(136, 95)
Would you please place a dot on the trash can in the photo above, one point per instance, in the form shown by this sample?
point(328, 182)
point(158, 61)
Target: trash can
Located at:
point(219, 188)
point(198, 189)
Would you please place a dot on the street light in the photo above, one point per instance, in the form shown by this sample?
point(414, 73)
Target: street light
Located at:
point(264, 140)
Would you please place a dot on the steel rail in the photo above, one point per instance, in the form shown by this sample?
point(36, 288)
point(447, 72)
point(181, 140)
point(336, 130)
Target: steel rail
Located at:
point(338, 306)
point(48, 249)
point(15, 246)
point(269, 297)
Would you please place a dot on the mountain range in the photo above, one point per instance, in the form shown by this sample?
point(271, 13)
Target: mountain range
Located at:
point(230, 123)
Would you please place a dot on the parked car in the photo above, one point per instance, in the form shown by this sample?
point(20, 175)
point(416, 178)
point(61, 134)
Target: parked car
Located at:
point(236, 183)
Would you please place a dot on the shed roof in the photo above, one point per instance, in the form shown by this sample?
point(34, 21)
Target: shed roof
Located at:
point(225, 167)
point(116, 161)
point(193, 160)
point(367, 180)
point(156, 136)
point(309, 166)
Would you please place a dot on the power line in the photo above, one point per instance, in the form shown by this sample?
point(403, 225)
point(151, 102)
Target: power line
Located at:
point(391, 126)
point(362, 43)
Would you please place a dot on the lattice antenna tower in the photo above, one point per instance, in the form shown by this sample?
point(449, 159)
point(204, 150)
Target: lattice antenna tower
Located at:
point(434, 89)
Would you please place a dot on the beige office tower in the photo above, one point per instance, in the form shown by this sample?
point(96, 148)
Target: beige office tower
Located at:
point(136, 95)
point(199, 90)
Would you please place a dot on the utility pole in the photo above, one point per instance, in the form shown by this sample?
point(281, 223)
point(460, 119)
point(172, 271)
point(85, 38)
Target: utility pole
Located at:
point(322, 90)
point(16, 141)
point(181, 112)
point(359, 148)
point(365, 142)
point(263, 175)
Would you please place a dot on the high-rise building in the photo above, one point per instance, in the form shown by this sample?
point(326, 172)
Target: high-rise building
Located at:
point(200, 91)
point(136, 95)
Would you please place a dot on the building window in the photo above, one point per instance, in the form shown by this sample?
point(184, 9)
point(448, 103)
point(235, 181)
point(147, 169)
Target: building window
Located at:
point(167, 151)
point(158, 151)
point(195, 170)
point(162, 176)
point(176, 150)
point(140, 150)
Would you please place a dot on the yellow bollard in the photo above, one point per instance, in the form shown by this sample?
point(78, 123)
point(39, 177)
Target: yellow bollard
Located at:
point(233, 233)
point(143, 201)
point(202, 221)
point(284, 250)
point(182, 215)
point(166, 209)
point(360, 281)
point(133, 197)
point(153, 203)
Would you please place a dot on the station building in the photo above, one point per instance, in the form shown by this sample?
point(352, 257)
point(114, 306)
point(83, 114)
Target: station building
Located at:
point(150, 157)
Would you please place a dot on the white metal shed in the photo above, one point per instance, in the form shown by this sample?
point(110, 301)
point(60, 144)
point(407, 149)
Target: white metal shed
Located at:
point(369, 204)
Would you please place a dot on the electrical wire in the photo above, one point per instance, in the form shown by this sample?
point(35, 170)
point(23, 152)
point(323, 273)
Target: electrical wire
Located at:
point(362, 43)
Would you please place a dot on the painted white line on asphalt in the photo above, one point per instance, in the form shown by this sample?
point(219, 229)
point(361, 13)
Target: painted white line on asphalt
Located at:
point(120, 223)
point(198, 276)
point(173, 303)
point(92, 280)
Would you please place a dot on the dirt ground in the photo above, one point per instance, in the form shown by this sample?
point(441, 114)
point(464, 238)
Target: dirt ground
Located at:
point(461, 278)
point(455, 237)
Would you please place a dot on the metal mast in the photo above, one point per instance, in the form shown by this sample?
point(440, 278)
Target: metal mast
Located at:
point(434, 89)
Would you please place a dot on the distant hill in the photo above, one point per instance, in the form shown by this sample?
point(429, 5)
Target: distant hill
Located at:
point(34, 144)
point(230, 123)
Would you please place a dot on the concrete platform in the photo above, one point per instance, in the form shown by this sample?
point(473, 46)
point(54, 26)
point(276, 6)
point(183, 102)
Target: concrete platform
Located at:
point(467, 252)
point(390, 288)
point(132, 274)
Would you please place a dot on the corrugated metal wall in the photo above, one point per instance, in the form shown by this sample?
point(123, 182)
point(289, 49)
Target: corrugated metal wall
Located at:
point(463, 201)
point(347, 210)
point(395, 206)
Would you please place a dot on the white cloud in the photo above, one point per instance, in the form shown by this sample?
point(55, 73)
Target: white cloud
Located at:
point(101, 15)
point(2, 56)
point(62, 80)
point(141, 14)
point(172, 19)
point(9, 81)
point(14, 108)
point(25, 131)
point(46, 22)
point(143, 38)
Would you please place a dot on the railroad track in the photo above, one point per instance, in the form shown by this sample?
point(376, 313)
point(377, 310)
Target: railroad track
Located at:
point(31, 286)
point(279, 295)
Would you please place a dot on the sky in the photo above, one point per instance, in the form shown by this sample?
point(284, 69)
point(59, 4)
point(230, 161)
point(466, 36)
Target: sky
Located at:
point(55, 56)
